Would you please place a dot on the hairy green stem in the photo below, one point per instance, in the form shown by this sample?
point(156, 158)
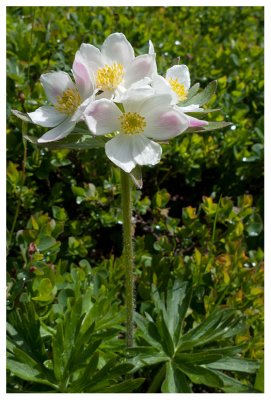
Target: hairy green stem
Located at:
point(126, 202)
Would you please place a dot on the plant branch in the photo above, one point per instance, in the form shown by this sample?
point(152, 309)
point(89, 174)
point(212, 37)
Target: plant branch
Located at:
point(126, 202)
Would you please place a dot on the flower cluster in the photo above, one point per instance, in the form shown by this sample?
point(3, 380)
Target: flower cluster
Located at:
point(120, 96)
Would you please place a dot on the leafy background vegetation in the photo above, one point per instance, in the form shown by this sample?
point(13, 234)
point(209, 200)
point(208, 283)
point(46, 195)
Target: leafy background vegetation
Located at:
point(198, 218)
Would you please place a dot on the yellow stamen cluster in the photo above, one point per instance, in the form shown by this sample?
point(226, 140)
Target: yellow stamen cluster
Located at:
point(110, 76)
point(68, 102)
point(132, 123)
point(178, 88)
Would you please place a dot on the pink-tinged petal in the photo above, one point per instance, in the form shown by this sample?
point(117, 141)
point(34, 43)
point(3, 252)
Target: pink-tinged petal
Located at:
point(59, 132)
point(145, 151)
point(47, 116)
point(181, 73)
point(92, 57)
point(194, 122)
point(142, 66)
point(120, 151)
point(163, 124)
point(55, 83)
point(102, 117)
point(116, 48)
point(84, 81)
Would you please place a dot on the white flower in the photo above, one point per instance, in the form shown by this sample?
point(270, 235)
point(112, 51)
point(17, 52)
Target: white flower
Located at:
point(145, 117)
point(113, 69)
point(69, 102)
point(176, 84)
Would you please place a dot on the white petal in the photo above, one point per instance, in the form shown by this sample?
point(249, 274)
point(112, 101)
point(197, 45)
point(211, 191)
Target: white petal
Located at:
point(83, 78)
point(166, 123)
point(181, 73)
point(145, 82)
point(120, 151)
point(116, 48)
point(191, 108)
point(59, 132)
point(55, 83)
point(102, 117)
point(144, 101)
point(161, 85)
point(145, 151)
point(195, 122)
point(156, 101)
point(133, 98)
point(47, 116)
point(91, 56)
point(151, 48)
point(151, 51)
point(80, 110)
point(141, 67)
point(106, 94)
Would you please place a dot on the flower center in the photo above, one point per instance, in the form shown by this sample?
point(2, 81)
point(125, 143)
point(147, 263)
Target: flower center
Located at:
point(178, 88)
point(68, 102)
point(132, 123)
point(110, 76)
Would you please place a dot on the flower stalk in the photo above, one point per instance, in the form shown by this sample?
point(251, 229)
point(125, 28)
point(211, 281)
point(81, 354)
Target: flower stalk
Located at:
point(128, 256)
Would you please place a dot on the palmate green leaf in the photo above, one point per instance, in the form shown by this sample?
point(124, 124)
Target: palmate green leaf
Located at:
point(24, 332)
point(201, 375)
point(165, 337)
point(236, 364)
point(197, 358)
point(173, 310)
point(104, 378)
point(202, 97)
point(81, 358)
point(58, 351)
point(148, 331)
point(231, 385)
point(183, 298)
point(175, 380)
point(127, 386)
point(221, 324)
point(27, 354)
point(64, 342)
point(207, 355)
point(143, 356)
point(79, 384)
point(24, 358)
point(105, 313)
point(28, 372)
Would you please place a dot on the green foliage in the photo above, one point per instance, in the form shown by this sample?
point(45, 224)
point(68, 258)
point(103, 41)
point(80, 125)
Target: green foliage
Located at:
point(196, 355)
point(69, 354)
point(198, 217)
